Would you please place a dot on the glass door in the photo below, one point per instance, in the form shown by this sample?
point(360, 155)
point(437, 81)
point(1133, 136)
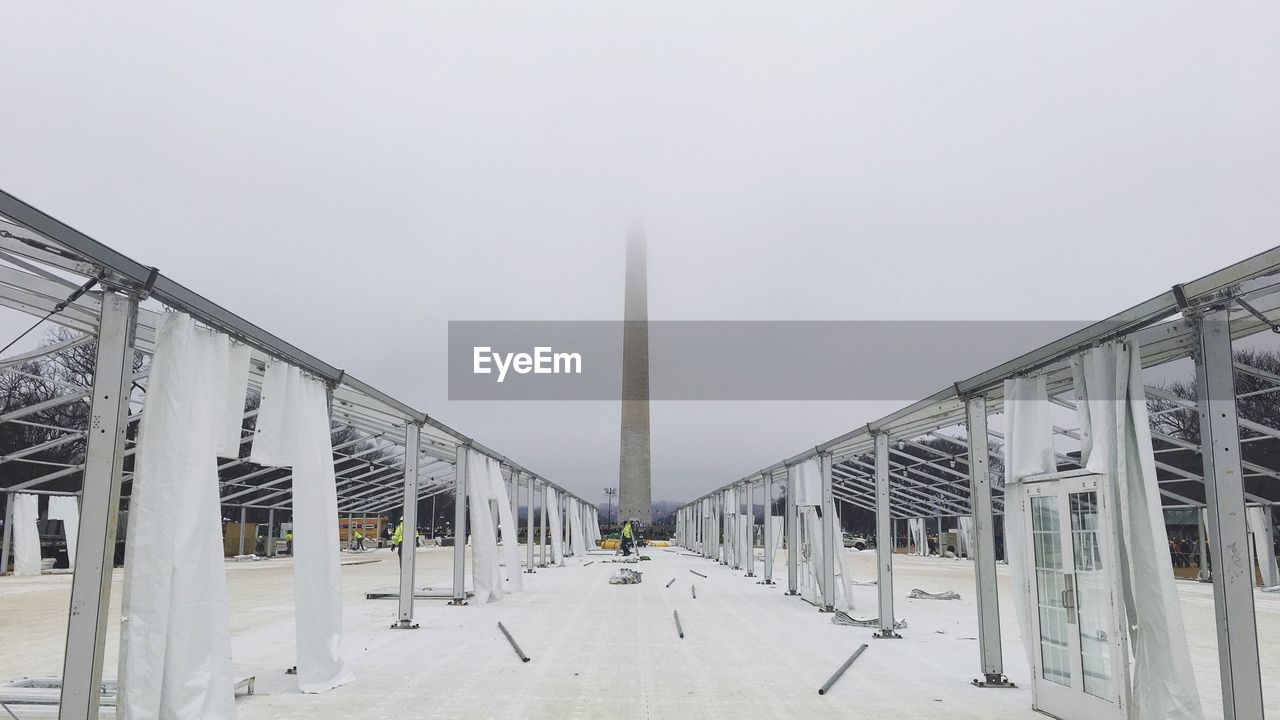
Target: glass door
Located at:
point(1078, 652)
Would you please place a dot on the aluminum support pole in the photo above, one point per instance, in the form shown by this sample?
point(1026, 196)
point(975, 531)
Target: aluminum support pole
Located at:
point(542, 525)
point(528, 525)
point(1233, 580)
point(460, 526)
point(99, 507)
point(767, 485)
point(566, 548)
point(515, 515)
point(793, 536)
point(884, 539)
point(270, 542)
point(433, 514)
point(989, 649)
point(828, 572)
point(242, 529)
point(749, 537)
point(1205, 574)
point(7, 543)
point(409, 543)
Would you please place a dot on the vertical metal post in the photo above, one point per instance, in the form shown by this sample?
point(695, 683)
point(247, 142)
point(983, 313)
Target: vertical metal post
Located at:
point(767, 488)
point(884, 539)
point(528, 525)
point(99, 507)
point(565, 547)
point(515, 514)
point(242, 530)
point(1204, 574)
point(793, 536)
point(460, 526)
point(828, 572)
point(7, 543)
point(270, 541)
point(749, 537)
point(542, 524)
point(409, 542)
point(1228, 533)
point(989, 649)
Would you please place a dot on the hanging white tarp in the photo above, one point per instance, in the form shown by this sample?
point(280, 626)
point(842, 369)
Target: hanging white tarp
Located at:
point(814, 555)
point(293, 430)
point(919, 538)
point(486, 576)
point(553, 513)
point(575, 530)
point(1028, 451)
point(175, 648)
point(26, 534)
point(230, 405)
point(1259, 522)
point(808, 483)
point(67, 509)
point(509, 528)
point(779, 529)
point(966, 539)
point(1113, 415)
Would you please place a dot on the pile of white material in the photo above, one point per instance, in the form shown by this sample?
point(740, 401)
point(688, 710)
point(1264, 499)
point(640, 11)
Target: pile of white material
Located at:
point(626, 576)
point(843, 618)
point(918, 594)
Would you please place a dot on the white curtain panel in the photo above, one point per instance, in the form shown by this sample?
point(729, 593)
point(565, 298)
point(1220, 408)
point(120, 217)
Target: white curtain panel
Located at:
point(967, 543)
point(509, 528)
point(26, 534)
point(575, 530)
point(808, 483)
point(67, 509)
point(1259, 521)
point(293, 430)
point(779, 531)
point(1113, 415)
point(919, 538)
point(486, 576)
point(1028, 451)
point(175, 618)
point(553, 519)
point(230, 405)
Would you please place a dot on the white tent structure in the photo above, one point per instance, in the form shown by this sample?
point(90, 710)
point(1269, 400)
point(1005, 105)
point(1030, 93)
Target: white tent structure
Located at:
point(323, 445)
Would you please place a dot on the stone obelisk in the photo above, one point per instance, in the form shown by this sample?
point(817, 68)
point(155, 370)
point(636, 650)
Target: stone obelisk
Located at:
point(635, 500)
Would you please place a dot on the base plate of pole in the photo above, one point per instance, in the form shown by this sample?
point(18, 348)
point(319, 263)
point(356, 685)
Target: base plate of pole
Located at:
point(993, 680)
point(886, 635)
point(405, 625)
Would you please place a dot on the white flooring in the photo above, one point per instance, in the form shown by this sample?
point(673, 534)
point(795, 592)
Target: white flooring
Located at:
point(612, 650)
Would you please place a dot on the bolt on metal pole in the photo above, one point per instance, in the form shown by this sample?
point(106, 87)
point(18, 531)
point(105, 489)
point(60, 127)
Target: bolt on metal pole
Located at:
point(460, 526)
point(989, 649)
point(409, 542)
point(884, 539)
point(1233, 581)
point(99, 507)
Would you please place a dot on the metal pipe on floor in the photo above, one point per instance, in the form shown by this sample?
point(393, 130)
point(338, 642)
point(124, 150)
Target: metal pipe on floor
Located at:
point(693, 590)
point(523, 657)
point(679, 629)
point(832, 680)
point(695, 572)
point(672, 582)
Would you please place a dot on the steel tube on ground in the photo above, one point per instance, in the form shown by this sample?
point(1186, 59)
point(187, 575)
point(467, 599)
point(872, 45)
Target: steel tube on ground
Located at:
point(679, 629)
point(523, 657)
point(832, 680)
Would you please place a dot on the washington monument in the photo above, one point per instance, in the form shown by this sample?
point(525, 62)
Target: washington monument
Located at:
point(635, 500)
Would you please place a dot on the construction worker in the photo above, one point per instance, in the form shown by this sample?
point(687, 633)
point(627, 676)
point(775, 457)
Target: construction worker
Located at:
point(288, 542)
point(397, 540)
point(627, 538)
point(359, 540)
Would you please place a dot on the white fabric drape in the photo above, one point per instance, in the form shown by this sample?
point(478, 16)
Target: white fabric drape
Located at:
point(966, 538)
point(230, 405)
point(67, 509)
point(293, 430)
point(486, 576)
point(1113, 415)
point(919, 539)
point(808, 484)
point(553, 515)
point(175, 648)
point(779, 531)
point(26, 534)
point(509, 528)
point(1028, 451)
point(814, 556)
point(1259, 522)
point(575, 530)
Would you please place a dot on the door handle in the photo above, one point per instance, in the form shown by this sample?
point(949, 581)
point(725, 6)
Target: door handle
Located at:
point(1069, 597)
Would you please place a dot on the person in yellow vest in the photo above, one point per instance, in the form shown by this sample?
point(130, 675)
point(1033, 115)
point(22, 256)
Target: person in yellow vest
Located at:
point(627, 538)
point(359, 540)
point(397, 540)
point(288, 542)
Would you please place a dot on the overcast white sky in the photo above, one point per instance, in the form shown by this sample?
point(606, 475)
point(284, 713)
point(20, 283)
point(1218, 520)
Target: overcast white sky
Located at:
point(353, 176)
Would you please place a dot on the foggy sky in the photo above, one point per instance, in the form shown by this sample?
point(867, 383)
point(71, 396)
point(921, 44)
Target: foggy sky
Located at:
point(353, 176)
